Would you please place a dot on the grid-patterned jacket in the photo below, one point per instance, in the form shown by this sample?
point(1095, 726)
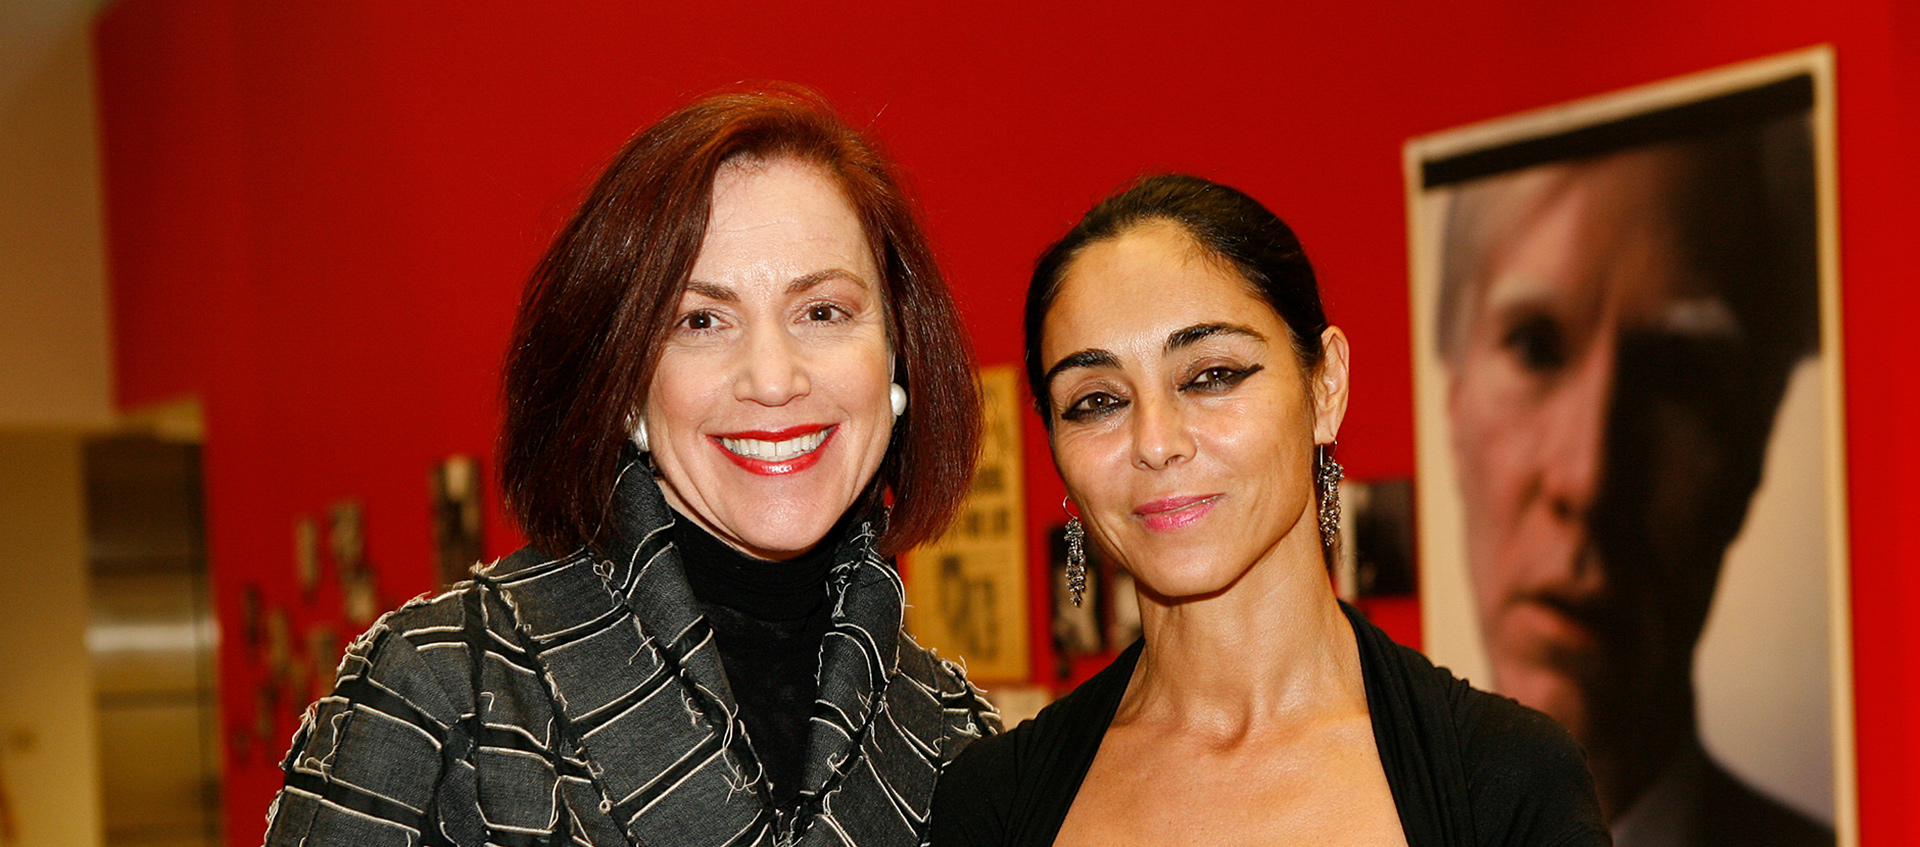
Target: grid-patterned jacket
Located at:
point(581, 700)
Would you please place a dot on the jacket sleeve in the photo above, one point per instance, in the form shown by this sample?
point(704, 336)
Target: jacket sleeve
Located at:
point(380, 761)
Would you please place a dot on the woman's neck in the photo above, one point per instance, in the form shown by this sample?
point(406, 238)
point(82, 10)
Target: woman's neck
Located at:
point(1269, 651)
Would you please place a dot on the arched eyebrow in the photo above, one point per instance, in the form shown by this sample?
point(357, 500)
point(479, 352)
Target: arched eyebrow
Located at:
point(1090, 358)
point(1181, 338)
point(798, 285)
point(810, 280)
point(712, 291)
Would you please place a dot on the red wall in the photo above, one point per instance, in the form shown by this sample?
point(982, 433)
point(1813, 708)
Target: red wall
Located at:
point(320, 214)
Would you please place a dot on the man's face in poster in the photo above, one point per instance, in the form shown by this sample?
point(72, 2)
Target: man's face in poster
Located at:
point(1610, 397)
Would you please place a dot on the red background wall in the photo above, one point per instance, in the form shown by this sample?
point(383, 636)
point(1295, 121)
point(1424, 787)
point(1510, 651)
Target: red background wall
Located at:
point(321, 214)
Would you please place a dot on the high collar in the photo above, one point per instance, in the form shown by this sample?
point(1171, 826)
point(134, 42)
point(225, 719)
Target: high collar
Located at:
point(636, 673)
point(786, 590)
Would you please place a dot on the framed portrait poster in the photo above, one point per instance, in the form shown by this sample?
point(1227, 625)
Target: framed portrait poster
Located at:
point(1631, 498)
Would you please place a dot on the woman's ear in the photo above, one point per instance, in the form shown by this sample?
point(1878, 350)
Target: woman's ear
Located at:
point(1330, 386)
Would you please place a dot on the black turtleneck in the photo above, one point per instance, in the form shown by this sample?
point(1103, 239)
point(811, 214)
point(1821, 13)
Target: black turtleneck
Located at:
point(768, 620)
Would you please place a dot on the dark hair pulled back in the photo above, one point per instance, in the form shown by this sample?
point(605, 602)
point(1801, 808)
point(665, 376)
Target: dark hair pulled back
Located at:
point(1224, 222)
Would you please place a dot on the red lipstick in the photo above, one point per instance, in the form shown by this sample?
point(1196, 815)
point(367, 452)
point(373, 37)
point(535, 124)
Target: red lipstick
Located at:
point(776, 467)
point(773, 434)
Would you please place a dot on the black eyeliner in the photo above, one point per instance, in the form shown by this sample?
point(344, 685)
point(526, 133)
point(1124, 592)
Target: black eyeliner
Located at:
point(1234, 377)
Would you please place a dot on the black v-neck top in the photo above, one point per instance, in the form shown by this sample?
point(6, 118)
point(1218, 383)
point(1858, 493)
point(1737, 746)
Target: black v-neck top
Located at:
point(1465, 767)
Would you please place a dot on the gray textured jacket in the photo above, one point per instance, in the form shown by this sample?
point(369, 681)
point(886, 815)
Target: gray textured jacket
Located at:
point(582, 700)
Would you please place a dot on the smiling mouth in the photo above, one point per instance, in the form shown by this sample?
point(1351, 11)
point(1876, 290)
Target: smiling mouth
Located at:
point(777, 452)
point(768, 450)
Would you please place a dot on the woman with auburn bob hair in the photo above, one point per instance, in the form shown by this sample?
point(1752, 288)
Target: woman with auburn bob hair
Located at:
point(1192, 389)
point(730, 358)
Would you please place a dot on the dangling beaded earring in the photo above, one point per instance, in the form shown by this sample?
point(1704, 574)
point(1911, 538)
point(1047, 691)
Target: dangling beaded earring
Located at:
point(1076, 554)
point(1327, 474)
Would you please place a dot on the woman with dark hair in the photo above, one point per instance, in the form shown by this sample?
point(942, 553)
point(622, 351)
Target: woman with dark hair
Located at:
point(1192, 389)
point(731, 358)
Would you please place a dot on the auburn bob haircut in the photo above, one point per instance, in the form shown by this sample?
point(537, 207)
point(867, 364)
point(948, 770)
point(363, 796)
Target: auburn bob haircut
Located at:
point(598, 307)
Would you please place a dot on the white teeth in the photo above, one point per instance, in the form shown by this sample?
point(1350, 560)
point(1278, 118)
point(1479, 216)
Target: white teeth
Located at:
point(775, 451)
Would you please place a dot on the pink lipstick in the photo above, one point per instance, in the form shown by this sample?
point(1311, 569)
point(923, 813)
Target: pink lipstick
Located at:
point(1171, 513)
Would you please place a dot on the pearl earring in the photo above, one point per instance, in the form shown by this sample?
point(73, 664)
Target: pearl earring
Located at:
point(640, 433)
point(899, 396)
